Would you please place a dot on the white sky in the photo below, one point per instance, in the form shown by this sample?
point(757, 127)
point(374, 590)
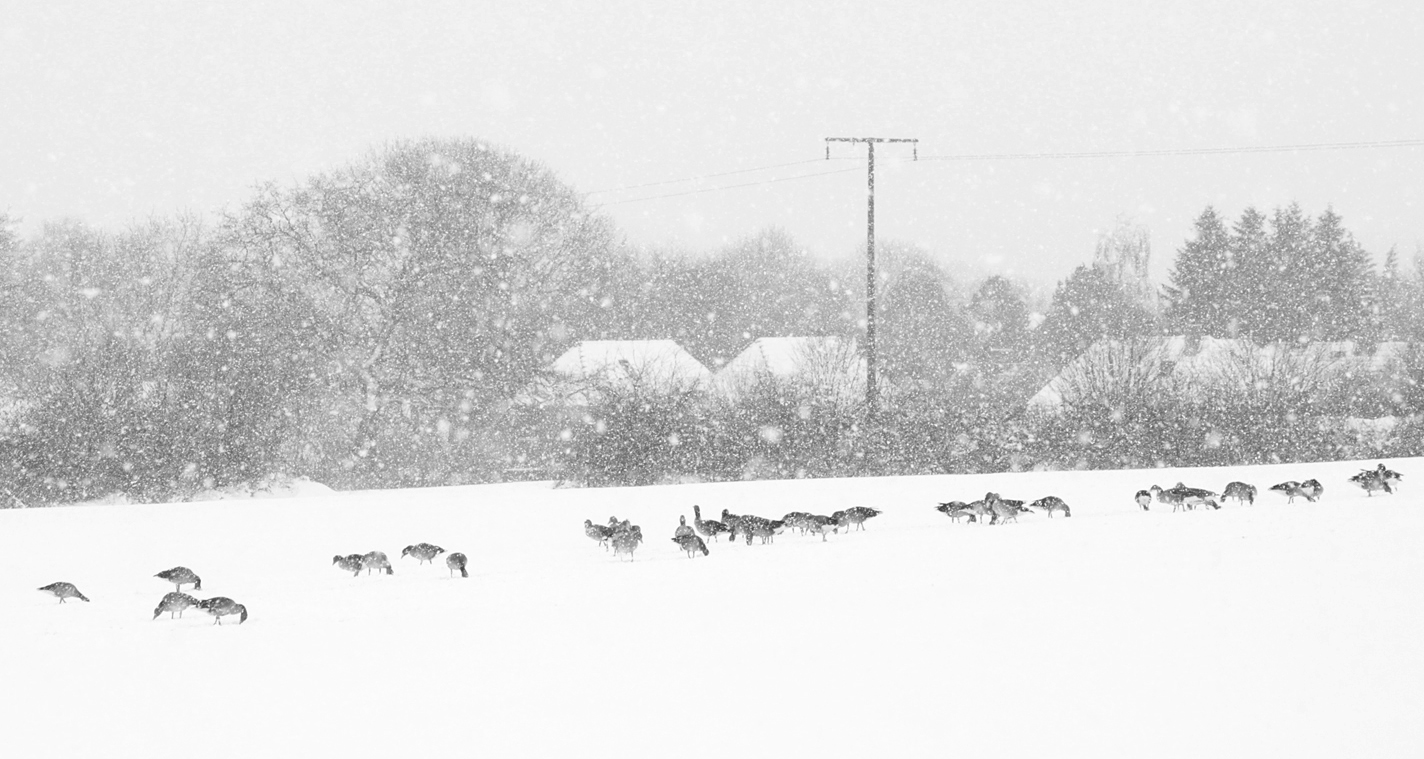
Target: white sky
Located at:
point(117, 111)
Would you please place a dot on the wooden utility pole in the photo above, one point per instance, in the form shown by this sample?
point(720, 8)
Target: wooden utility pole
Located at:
point(872, 390)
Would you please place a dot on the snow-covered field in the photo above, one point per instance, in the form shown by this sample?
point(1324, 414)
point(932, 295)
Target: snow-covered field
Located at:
point(1275, 630)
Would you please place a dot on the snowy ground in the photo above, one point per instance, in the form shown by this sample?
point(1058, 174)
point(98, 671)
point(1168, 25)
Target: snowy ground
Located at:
point(1276, 630)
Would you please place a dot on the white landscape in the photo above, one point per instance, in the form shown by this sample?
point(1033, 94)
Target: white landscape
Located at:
point(1271, 630)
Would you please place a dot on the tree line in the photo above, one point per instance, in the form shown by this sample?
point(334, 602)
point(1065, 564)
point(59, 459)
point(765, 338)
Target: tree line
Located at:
point(368, 327)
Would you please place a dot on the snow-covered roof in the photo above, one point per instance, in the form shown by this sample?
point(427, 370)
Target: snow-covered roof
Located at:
point(1214, 358)
point(658, 361)
point(623, 363)
point(781, 356)
point(824, 360)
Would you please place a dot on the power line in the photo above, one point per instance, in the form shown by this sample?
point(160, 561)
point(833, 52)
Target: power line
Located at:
point(701, 176)
point(1320, 146)
point(730, 186)
point(1180, 151)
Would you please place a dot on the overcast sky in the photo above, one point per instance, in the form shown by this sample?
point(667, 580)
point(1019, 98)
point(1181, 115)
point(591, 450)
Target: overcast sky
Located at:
point(117, 111)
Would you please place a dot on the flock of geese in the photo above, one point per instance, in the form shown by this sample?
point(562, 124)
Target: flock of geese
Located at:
point(1183, 498)
point(1001, 510)
point(377, 561)
point(174, 603)
point(624, 537)
point(177, 602)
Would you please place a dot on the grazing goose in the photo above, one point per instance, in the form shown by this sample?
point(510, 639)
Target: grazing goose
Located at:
point(856, 515)
point(377, 560)
point(798, 520)
point(1242, 492)
point(766, 529)
point(755, 526)
point(1370, 480)
point(63, 590)
point(1194, 497)
point(955, 509)
point(1291, 489)
point(627, 539)
point(1004, 509)
point(181, 576)
point(1050, 504)
point(174, 602)
point(422, 552)
point(691, 544)
point(222, 606)
point(981, 508)
point(735, 526)
point(457, 561)
point(1182, 497)
point(824, 525)
point(351, 562)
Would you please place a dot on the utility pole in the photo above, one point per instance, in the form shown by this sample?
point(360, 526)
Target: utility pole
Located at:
point(872, 390)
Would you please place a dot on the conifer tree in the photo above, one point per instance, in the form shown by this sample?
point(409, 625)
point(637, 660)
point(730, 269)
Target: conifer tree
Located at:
point(1292, 276)
point(1251, 260)
point(1087, 307)
point(924, 332)
point(1000, 321)
point(1342, 301)
point(1395, 294)
point(1201, 297)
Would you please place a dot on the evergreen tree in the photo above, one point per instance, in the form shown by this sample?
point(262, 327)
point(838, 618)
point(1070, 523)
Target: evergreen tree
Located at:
point(999, 316)
point(1090, 306)
point(1342, 302)
point(1292, 276)
point(923, 334)
point(1250, 257)
point(1409, 309)
point(1202, 296)
point(1400, 296)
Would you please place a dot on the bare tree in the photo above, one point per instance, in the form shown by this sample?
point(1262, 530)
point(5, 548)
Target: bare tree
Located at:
point(1117, 377)
point(437, 274)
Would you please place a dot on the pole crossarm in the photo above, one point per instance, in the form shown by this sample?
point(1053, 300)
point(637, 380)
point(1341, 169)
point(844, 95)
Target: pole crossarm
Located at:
point(872, 388)
point(913, 140)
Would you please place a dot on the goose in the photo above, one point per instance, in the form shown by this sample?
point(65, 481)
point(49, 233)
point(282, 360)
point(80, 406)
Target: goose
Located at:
point(1050, 504)
point(377, 560)
point(351, 562)
point(422, 552)
point(709, 528)
point(1242, 492)
point(691, 544)
point(174, 602)
point(222, 606)
point(456, 561)
point(598, 532)
point(181, 576)
point(63, 590)
point(856, 515)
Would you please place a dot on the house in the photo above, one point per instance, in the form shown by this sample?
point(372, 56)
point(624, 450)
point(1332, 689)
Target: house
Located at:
point(827, 362)
point(1148, 366)
point(576, 375)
